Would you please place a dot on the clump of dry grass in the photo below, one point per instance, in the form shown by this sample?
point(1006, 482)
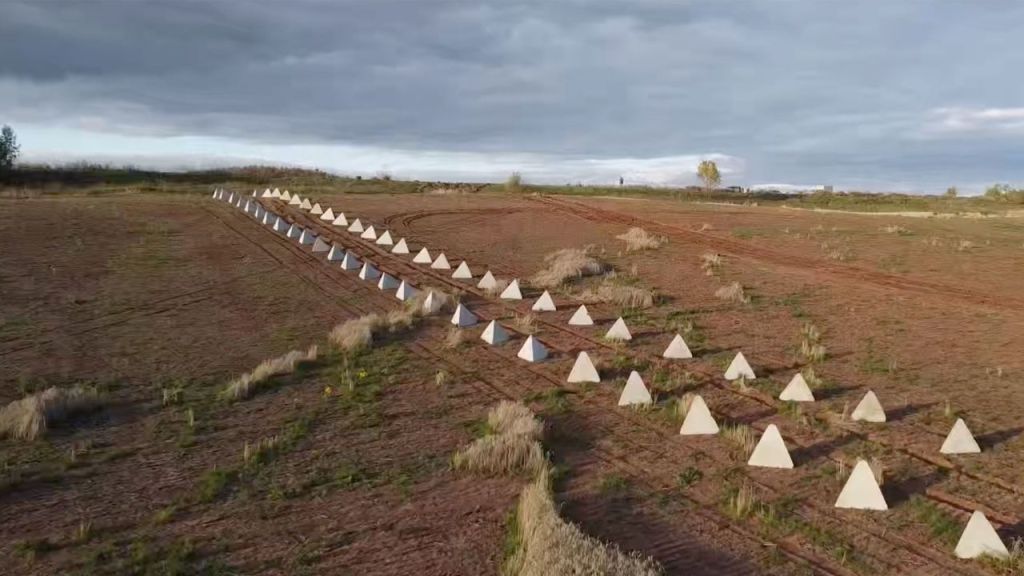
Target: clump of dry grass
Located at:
point(565, 265)
point(733, 293)
point(683, 404)
point(512, 447)
point(247, 384)
point(548, 545)
point(498, 288)
point(711, 263)
point(622, 295)
point(526, 323)
point(895, 229)
point(514, 418)
point(640, 239)
point(964, 245)
point(357, 333)
point(414, 307)
point(30, 417)
point(741, 437)
point(741, 503)
point(810, 346)
point(454, 338)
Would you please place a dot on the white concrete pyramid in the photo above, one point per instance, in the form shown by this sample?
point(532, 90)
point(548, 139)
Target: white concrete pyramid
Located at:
point(581, 317)
point(583, 370)
point(336, 254)
point(400, 247)
point(405, 291)
point(441, 263)
point(248, 208)
point(385, 239)
point(280, 225)
point(285, 195)
point(259, 212)
point(960, 440)
point(635, 393)
point(463, 272)
point(677, 349)
point(369, 233)
point(307, 238)
point(511, 292)
point(305, 205)
point(254, 193)
point(295, 231)
point(218, 194)
point(340, 220)
point(869, 409)
point(487, 281)
point(532, 350)
point(231, 198)
point(369, 272)
point(698, 421)
point(423, 257)
point(295, 201)
point(350, 262)
point(328, 215)
point(387, 282)
point(494, 333)
point(770, 451)
point(276, 193)
point(544, 303)
point(861, 490)
point(739, 368)
point(238, 202)
point(215, 192)
point(356, 226)
point(321, 245)
point(462, 317)
point(618, 331)
point(269, 218)
point(317, 209)
point(432, 303)
point(980, 538)
point(797, 390)
point(267, 194)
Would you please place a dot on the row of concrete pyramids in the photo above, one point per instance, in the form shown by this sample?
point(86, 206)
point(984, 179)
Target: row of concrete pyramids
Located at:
point(861, 490)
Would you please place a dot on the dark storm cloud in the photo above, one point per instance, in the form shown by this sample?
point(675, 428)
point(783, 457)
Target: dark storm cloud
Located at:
point(870, 92)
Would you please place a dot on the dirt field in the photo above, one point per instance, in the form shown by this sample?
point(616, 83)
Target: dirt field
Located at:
point(142, 293)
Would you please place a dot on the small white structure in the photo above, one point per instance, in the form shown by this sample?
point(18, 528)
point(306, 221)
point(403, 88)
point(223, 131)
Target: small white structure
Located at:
point(280, 225)
point(231, 198)
point(356, 227)
point(350, 262)
point(400, 247)
point(583, 370)
point(677, 349)
point(295, 201)
point(336, 254)
point(511, 292)
point(960, 440)
point(494, 334)
point(267, 194)
point(980, 538)
point(285, 196)
point(487, 281)
point(340, 220)
point(305, 205)
point(861, 490)
point(369, 233)
point(581, 317)
point(276, 193)
point(247, 207)
point(321, 245)
point(770, 451)
point(869, 409)
point(423, 257)
point(269, 218)
point(462, 317)
point(254, 193)
point(258, 214)
point(441, 263)
point(317, 210)
point(739, 368)
point(432, 303)
point(544, 304)
point(385, 239)
point(405, 291)
point(307, 238)
point(387, 282)
point(532, 350)
point(295, 231)
point(797, 390)
point(463, 272)
point(698, 421)
point(618, 331)
point(328, 215)
point(635, 392)
point(368, 272)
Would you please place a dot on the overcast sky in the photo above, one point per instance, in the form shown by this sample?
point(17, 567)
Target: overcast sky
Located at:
point(883, 95)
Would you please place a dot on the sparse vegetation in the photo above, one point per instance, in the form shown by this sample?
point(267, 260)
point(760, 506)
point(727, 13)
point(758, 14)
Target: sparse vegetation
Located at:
point(733, 292)
point(514, 183)
point(30, 417)
point(639, 239)
point(741, 437)
point(499, 287)
point(526, 323)
point(565, 265)
point(710, 263)
point(512, 445)
point(248, 384)
point(811, 347)
point(454, 338)
point(613, 291)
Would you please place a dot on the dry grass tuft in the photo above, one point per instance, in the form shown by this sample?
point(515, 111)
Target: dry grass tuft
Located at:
point(514, 418)
point(741, 437)
point(621, 295)
point(896, 229)
point(247, 384)
point(683, 404)
point(498, 288)
point(711, 263)
point(565, 265)
point(414, 307)
point(810, 346)
point(512, 447)
point(357, 333)
point(30, 417)
point(640, 239)
point(733, 293)
point(454, 338)
point(526, 323)
point(742, 502)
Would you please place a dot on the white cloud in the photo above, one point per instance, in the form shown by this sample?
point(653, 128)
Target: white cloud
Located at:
point(976, 120)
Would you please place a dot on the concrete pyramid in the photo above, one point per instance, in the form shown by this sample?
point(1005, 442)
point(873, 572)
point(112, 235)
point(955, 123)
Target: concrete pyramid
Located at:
point(869, 409)
point(581, 317)
point(269, 218)
point(254, 193)
point(980, 538)
point(276, 193)
point(960, 440)
point(494, 333)
point(797, 390)
point(432, 303)
point(385, 239)
point(307, 238)
point(677, 349)
point(698, 421)
point(861, 490)
point(635, 393)
point(238, 202)
point(423, 257)
point(544, 303)
point(387, 282)
point(294, 232)
point(285, 195)
point(405, 291)
point(305, 205)
point(280, 225)
point(441, 263)
point(336, 254)
point(400, 247)
point(583, 370)
point(739, 368)
point(231, 198)
point(511, 292)
point(369, 272)
point(462, 317)
point(340, 220)
point(215, 192)
point(487, 282)
point(267, 194)
point(356, 226)
point(350, 262)
point(259, 212)
point(770, 451)
point(248, 208)
point(328, 215)
point(321, 245)
point(369, 233)
point(463, 272)
point(317, 209)
point(295, 201)
point(532, 350)
point(618, 331)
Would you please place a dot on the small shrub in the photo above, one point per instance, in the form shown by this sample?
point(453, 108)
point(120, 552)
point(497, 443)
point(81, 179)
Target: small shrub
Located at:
point(565, 265)
point(526, 323)
point(741, 437)
point(247, 384)
point(896, 229)
point(498, 288)
point(741, 502)
point(640, 239)
point(454, 338)
point(710, 263)
point(512, 445)
point(620, 295)
point(733, 293)
point(514, 183)
point(30, 417)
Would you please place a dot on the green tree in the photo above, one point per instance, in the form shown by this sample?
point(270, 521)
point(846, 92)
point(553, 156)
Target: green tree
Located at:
point(951, 192)
point(8, 148)
point(708, 173)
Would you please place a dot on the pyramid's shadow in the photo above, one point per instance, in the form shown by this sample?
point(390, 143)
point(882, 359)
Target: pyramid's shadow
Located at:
point(993, 439)
point(899, 491)
point(906, 411)
point(810, 453)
